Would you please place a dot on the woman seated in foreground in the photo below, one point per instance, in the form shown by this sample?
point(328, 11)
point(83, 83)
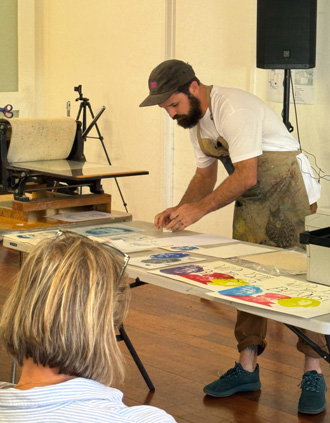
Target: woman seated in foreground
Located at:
point(59, 324)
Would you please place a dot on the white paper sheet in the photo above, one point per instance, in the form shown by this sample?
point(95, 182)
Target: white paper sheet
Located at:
point(234, 250)
point(135, 242)
point(192, 240)
point(82, 216)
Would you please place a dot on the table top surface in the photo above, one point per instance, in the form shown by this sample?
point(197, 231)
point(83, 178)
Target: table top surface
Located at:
point(75, 170)
point(319, 324)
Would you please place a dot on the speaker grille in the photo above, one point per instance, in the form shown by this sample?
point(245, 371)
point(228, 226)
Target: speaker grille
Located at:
point(286, 34)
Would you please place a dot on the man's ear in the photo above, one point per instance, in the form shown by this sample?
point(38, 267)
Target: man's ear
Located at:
point(194, 88)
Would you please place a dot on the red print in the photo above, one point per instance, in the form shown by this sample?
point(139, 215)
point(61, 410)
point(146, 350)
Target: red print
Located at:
point(207, 277)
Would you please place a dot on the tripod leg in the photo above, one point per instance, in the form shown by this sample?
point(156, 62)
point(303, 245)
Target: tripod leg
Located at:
point(136, 358)
point(327, 339)
point(106, 154)
point(79, 111)
point(13, 372)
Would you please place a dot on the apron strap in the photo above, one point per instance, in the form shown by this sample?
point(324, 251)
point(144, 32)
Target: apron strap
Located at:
point(220, 150)
point(207, 146)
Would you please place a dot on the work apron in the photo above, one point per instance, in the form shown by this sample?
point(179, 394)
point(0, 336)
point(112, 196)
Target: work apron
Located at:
point(273, 211)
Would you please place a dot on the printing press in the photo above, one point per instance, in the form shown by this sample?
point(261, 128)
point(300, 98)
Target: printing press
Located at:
point(45, 159)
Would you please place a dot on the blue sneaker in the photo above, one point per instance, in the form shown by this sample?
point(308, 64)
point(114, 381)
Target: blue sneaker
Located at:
point(313, 388)
point(234, 380)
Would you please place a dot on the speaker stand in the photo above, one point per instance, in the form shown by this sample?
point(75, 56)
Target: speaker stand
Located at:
point(286, 99)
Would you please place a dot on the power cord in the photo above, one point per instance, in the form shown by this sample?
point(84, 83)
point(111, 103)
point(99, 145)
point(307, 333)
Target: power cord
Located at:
point(318, 170)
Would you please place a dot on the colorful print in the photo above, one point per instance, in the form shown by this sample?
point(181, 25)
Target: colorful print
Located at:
point(243, 285)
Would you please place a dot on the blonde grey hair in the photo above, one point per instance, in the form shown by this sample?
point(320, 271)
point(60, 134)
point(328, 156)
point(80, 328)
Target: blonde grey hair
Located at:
point(65, 307)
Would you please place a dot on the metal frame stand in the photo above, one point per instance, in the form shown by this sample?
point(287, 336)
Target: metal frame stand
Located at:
point(124, 337)
point(323, 354)
point(84, 105)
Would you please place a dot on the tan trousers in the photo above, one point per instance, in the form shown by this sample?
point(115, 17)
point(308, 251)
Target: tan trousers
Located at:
point(251, 330)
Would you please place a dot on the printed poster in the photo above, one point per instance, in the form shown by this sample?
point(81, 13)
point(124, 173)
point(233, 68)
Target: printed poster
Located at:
point(242, 285)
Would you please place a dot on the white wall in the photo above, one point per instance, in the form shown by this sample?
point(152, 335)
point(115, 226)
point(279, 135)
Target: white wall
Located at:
point(110, 47)
point(218, 40)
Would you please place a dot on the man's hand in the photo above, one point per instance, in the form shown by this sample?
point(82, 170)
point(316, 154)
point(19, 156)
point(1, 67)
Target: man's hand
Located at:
point(163, 219)
point(184, 216)
point(200, 198)
point(200, 186)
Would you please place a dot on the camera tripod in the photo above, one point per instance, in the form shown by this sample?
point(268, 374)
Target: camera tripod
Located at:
point(84, 105)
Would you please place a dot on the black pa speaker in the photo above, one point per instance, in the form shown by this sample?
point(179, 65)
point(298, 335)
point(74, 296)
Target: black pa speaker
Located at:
point(286, 34)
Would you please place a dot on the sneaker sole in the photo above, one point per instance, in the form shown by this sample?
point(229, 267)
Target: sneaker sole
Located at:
point(313, 411)
point(249, 387)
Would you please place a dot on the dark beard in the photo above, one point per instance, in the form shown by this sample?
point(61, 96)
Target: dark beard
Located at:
point(194, 115)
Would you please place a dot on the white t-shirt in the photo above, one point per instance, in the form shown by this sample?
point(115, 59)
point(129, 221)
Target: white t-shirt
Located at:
point(250, 127)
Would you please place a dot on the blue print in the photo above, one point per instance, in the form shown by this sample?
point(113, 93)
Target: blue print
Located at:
point(165, 256)
point(242, 291)
point(184, 248)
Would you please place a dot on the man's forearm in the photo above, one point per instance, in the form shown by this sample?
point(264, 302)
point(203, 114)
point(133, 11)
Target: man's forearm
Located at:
point(227, 192)
point(231, 188)
point(198, 188)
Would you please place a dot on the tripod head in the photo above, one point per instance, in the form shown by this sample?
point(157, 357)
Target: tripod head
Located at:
point(81, 97)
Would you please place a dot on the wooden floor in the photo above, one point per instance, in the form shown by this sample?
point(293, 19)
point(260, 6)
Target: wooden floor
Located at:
point(184, 342)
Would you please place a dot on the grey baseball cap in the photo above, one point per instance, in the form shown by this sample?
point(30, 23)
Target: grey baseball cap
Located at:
point(165, 79)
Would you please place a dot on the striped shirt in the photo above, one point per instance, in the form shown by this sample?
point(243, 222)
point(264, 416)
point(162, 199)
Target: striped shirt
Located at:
point(77, 400)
